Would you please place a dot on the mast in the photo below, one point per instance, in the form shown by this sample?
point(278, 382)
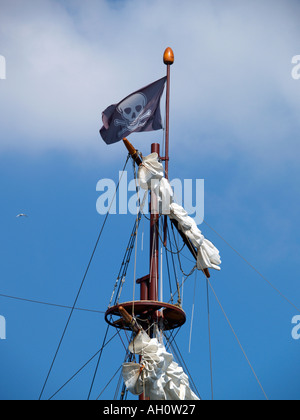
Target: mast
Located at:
point(168, 60)
point(148, 310)
point(154, 243)
point(153, 263)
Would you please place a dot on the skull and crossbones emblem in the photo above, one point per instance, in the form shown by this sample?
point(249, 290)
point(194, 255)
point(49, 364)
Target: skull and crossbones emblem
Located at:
point(132, 112)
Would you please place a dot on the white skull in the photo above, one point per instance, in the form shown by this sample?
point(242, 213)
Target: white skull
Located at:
point(132, 108)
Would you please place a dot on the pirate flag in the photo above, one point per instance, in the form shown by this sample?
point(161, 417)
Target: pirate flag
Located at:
point(139, 111)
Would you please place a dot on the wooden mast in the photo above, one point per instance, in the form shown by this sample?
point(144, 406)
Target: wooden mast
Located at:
point(154, 214)
point(149, 307)
point(154, 239)
point(168, 60)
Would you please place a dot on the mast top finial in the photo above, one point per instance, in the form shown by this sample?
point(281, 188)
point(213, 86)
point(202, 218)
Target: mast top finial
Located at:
point(168, 56)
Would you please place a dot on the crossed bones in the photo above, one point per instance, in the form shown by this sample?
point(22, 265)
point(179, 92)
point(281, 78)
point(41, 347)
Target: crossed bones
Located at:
point(132, 126)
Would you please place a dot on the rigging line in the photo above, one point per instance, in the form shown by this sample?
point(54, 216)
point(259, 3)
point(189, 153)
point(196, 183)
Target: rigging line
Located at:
point(98, 362)
point(209, 338)
point(82, 282)
point(178, 255)
point(179, 260)
point(109, 382)
point(187, 258)
point(82, 367)
point(174, 268)
point(118, 332)
point(250, 265)
point(128, 358)
point(171, 337)
point(169, 276)
point(209, 331)
point(51, 304)
point(136, 234)
point(152, 253)
point(148, 218)
point(143, 231)
point(170, 250)
point(180, 358)
point(183, 282)
point(161, 287)
point(172, 227)
point(193, 308)
point(187, 275)
point(188, 372)
point(124, 266)
point(124, 391)
point(117, 388)
point(135, 258)
point(123, 269)
point(236, 337)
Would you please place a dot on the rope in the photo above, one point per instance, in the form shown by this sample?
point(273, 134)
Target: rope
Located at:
point(124, 266)
point(250, 265)
point(152, 252)
point(98, 362)
point(182, 362)
point(174, 268)
point(192, 317)
point(136, 234)
point(82, 282)
point(170, 250)
point(169, 276)
point(171, 338)
point(51, 304)
point(109, 382)
point(209, 338)
point(236, 337)
point(178, 256)
point(128, 358)
point(82, 367)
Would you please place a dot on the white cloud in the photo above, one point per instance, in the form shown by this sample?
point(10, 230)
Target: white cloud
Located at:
point(232, 88)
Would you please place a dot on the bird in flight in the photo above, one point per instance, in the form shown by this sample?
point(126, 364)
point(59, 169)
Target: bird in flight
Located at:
point(22, 215)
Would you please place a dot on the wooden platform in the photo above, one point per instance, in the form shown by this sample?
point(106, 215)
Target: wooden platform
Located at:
point(146, 312)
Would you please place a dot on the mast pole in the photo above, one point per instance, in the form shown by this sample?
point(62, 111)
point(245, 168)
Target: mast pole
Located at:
point(154, 216)
point(149, 291)
point(168, 60)
point(154, 239)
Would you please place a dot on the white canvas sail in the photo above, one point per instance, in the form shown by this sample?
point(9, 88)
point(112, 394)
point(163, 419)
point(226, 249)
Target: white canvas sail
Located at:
point(157, 375)
point(150, 176)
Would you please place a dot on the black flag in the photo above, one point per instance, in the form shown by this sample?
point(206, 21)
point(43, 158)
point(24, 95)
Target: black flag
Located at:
point(139, 111)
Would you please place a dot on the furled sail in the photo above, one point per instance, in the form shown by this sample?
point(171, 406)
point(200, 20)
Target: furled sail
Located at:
point(157, 375)
point(151, 176)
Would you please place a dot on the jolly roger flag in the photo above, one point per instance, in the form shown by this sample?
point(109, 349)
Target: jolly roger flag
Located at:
point(139, 111)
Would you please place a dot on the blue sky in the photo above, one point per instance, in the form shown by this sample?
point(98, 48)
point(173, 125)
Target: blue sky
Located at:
point(234, 122)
